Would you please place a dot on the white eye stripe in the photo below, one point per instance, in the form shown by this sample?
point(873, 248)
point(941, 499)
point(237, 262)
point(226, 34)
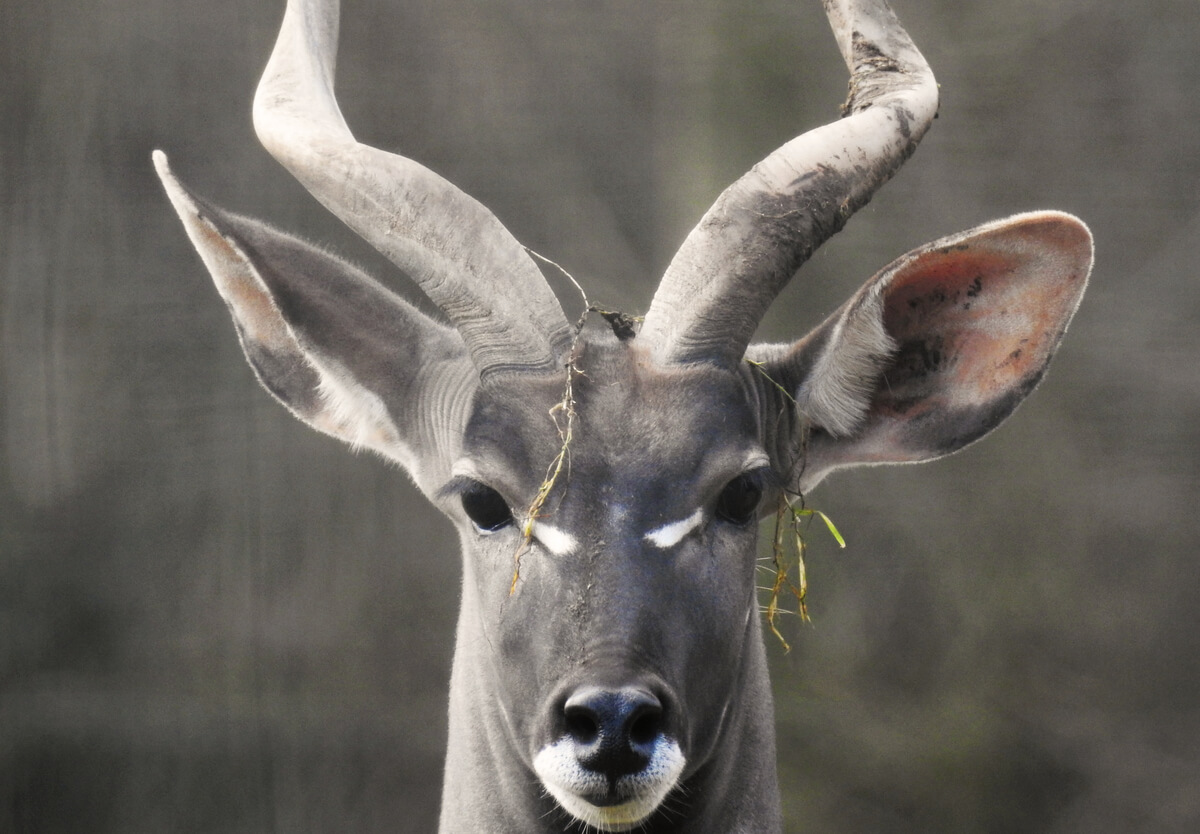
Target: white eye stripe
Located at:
point(561, 543)
point(558, 542)
point(672, 534)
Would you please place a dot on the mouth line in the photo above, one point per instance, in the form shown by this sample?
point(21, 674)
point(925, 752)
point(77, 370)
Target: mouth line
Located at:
point(609, 799)
point(621, 815)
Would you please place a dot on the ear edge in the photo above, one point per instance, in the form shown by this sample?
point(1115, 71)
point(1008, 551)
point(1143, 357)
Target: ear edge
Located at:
point(314, 387)
point(829, 386)
point(981, 313)
point(230, 267)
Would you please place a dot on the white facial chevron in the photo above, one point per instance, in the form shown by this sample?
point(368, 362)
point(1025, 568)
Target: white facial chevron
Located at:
point(558, 542)
point(672, 534)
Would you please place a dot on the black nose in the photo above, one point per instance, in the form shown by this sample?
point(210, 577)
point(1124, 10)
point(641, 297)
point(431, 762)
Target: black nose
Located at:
point(614, 730)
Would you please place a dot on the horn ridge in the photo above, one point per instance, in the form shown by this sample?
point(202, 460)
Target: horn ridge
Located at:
point(456, 250)
point(765, 225)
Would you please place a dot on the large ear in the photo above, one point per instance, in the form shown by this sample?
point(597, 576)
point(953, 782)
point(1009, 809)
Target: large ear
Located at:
point(343, 353)
point(938, 348)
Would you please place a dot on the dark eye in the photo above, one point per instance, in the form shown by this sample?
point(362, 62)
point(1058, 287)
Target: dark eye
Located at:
point(484, 506)
point(738, 502)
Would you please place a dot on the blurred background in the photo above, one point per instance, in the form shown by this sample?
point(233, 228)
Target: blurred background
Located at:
point(215, 620)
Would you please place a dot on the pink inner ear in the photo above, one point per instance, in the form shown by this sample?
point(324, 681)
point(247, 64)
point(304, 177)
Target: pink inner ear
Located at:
point(975, 320)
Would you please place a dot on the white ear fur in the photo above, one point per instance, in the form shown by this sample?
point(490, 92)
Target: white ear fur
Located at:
point(354, 414)
point(838, 390)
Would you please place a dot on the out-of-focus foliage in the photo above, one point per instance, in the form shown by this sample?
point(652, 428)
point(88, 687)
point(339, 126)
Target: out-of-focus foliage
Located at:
point(212, 619)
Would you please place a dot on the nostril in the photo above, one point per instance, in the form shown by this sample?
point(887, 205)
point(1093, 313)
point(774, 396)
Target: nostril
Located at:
point(581, 724)
point(646, 725)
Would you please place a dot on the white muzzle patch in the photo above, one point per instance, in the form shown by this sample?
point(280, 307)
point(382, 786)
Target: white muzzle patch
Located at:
point(639, 794)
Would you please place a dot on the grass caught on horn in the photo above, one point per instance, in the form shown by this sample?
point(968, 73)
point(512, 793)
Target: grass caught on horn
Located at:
point(790, 521)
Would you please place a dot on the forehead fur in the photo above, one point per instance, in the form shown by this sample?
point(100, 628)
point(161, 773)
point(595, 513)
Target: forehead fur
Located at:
point(629, 414)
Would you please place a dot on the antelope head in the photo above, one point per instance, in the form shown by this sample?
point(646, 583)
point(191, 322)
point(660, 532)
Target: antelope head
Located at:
point(606, 480)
